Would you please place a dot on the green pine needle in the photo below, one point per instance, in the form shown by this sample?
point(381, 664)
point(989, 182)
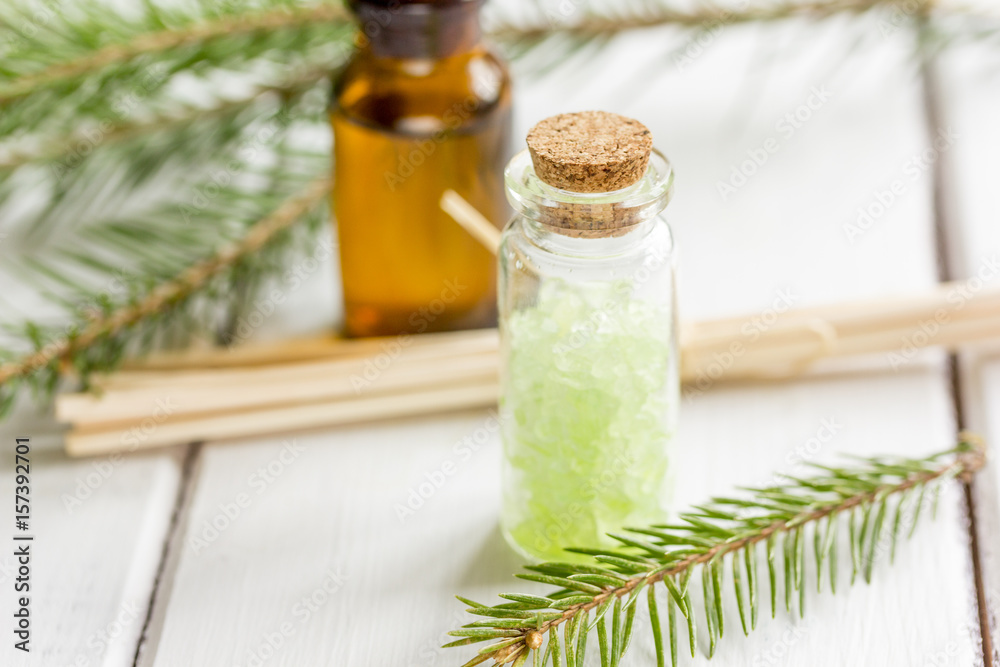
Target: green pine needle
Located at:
point(174, 300)
point(863, 495)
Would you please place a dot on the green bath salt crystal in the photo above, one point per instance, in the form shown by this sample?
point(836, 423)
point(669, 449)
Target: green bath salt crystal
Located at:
point(587, 404)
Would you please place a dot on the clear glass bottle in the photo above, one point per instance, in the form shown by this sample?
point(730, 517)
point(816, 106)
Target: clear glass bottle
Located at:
point(421, 107)
point(589, 359)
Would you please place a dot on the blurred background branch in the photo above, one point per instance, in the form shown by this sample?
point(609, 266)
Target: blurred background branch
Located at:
point(136, 147)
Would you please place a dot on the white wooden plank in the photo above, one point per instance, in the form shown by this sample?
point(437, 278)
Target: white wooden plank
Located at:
point(332, 514)
point(330, 518)
point(99, 527)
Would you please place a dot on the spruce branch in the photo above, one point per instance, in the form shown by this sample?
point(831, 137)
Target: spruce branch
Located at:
point(57, 355)
point(85, 49)
point(58, 147)
point(606, 20)
point(240, 167)
point(83, 63)
point(167, 39)
point(882, 493)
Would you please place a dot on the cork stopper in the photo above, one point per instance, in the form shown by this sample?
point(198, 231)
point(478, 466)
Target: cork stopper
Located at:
point(590, 151)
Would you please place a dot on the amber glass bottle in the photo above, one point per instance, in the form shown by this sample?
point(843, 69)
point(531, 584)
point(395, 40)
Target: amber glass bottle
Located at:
point(421, 107)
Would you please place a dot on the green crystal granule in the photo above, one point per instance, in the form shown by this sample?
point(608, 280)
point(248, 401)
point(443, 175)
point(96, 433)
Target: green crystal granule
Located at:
point(587, 401)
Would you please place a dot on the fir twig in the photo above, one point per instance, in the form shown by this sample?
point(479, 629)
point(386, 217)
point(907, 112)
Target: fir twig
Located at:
point(61, 69)
point(702, 539)
point(598, 22)
point(170, 39)
point(183, 285)
point(61, 146)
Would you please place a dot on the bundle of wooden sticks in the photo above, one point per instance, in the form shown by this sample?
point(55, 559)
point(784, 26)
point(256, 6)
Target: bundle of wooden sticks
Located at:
point(217, 394)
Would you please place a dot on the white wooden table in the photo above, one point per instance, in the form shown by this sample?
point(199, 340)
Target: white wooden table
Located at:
point(291, 551)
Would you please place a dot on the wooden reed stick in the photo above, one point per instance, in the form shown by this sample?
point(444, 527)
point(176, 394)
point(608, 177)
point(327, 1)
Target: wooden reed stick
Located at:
point(241, 390)
point(292, 350)
point(228, 425)
point(861, 328)
point(332, 363)
point(471, 220)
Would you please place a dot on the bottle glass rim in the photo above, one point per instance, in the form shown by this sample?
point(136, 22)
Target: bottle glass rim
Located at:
point(535, 199)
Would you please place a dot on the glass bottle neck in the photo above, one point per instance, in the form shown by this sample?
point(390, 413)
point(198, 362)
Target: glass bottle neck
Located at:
point(416, 30)
point(588, 223)
point(555, 240)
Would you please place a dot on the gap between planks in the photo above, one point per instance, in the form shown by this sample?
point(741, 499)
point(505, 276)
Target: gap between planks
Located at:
point(159, 598)
point(947, 236)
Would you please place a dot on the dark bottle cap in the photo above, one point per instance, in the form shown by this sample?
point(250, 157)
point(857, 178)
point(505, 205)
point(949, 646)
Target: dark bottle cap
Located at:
point(418, 28)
